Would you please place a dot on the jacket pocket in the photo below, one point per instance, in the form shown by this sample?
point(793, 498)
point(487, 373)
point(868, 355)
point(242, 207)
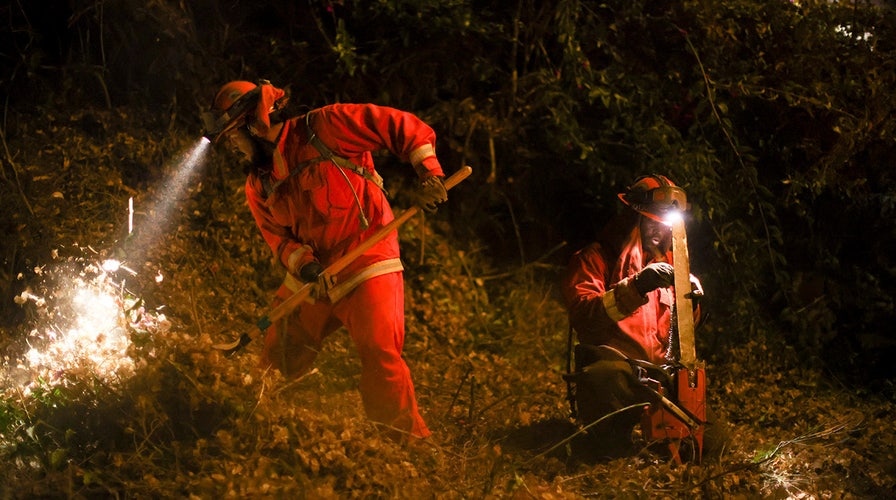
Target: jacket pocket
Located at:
point(330, 193)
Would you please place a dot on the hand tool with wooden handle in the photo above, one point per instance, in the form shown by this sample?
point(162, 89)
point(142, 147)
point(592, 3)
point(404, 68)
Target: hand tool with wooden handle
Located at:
point(288, 305)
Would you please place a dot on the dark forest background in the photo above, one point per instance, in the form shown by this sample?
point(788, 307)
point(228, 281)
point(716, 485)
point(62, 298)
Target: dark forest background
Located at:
point(776, 116)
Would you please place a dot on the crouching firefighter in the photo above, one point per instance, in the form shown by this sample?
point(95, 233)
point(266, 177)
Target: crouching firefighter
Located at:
point(633, 365)
point(315, 196)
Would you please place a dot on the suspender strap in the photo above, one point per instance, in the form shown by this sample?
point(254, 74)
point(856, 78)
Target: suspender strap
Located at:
point(340, 161)
point(270, 187)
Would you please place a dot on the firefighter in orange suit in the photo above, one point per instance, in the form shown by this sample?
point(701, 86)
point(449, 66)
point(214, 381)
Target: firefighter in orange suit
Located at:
point(315, 195)
point(618, 292)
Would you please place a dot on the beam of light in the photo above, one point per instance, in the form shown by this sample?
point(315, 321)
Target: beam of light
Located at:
point(85, 318)
point(158, 213)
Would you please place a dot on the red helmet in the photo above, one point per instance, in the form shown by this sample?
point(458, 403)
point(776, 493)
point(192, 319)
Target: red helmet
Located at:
point(240, 103)
point(653, 196)
point(230, 92)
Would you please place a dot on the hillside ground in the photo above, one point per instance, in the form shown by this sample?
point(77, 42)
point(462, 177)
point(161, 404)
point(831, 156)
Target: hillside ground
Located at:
point(144, 406)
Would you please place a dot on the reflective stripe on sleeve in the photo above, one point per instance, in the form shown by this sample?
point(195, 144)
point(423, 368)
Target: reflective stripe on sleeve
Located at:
point(342, 289)
point(423, 152)
point(293, 283)
point(295, 256)
point(611, 306)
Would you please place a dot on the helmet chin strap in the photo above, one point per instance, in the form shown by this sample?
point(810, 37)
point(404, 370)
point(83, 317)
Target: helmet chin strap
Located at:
point(261, 160)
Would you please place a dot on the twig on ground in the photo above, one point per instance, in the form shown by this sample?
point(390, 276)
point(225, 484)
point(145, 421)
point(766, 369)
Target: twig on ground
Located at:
point(526, 266)
point(457, 392)
point(582, 430)
point(15, 171)
point(768, 455)
point(293, 383)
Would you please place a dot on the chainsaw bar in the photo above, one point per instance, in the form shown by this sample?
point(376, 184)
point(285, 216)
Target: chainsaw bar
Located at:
point(683, 306)
point(686, 415)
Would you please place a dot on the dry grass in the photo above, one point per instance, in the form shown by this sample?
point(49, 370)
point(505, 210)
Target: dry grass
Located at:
point(176, 419)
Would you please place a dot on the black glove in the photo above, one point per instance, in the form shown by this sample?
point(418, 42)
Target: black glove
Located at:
point(696, 289)
point(653, 276)
point(431, 192)
point(314, 272)
point(696, 294)
point(311, 271)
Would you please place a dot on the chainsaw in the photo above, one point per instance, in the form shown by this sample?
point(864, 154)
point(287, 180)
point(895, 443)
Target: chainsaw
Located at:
point(680, 414)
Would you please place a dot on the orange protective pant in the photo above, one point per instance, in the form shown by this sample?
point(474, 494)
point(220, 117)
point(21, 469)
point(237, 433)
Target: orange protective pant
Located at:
point(373, 314)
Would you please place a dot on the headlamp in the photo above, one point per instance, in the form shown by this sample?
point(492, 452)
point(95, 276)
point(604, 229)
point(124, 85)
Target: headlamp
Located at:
point(656, 202)
point(218, 124)
point(242, 112)
point(673, 196)
point(672, 216)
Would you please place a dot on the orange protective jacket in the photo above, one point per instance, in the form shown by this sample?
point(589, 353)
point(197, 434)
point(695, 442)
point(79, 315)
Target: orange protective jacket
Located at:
point(307, 209)
point(604, 306)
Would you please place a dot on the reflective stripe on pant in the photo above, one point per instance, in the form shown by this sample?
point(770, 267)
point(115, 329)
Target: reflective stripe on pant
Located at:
point(373, 314)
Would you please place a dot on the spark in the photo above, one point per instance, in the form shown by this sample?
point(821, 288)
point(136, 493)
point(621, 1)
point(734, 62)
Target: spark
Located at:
point(87, 335)
point(26, 295)
point(86, 319)
point(94, 307)
point(85, 325)
point(111, 265)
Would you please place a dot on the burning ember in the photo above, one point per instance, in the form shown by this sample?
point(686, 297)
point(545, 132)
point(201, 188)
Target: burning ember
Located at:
point(87, 321)
point(87, 318)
